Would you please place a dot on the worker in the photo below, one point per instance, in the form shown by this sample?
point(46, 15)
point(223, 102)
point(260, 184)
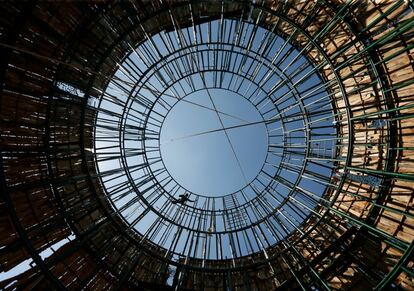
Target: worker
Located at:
point(184, 198)
point(377, 123)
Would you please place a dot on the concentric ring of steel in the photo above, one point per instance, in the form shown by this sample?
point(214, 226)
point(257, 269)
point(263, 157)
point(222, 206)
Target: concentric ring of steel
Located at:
point(272, 75)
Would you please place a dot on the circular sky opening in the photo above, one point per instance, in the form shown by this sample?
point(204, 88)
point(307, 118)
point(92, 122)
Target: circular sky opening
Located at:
point(209, 144)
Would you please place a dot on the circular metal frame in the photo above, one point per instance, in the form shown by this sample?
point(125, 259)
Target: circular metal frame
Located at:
point(365, 181)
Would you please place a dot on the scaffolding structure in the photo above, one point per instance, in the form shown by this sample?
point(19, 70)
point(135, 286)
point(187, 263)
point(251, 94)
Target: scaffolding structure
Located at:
point(87, 202)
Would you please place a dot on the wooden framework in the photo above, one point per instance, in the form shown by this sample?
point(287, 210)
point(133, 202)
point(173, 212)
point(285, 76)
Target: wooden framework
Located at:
point(57, 61)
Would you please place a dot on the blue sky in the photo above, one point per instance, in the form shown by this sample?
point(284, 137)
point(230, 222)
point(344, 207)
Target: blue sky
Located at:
point(206, 164)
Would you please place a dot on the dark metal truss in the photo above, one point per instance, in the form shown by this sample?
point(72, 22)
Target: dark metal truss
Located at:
point(335, 183)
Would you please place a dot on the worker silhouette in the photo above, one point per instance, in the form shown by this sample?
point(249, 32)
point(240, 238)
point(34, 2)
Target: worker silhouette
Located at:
point(184, 198)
